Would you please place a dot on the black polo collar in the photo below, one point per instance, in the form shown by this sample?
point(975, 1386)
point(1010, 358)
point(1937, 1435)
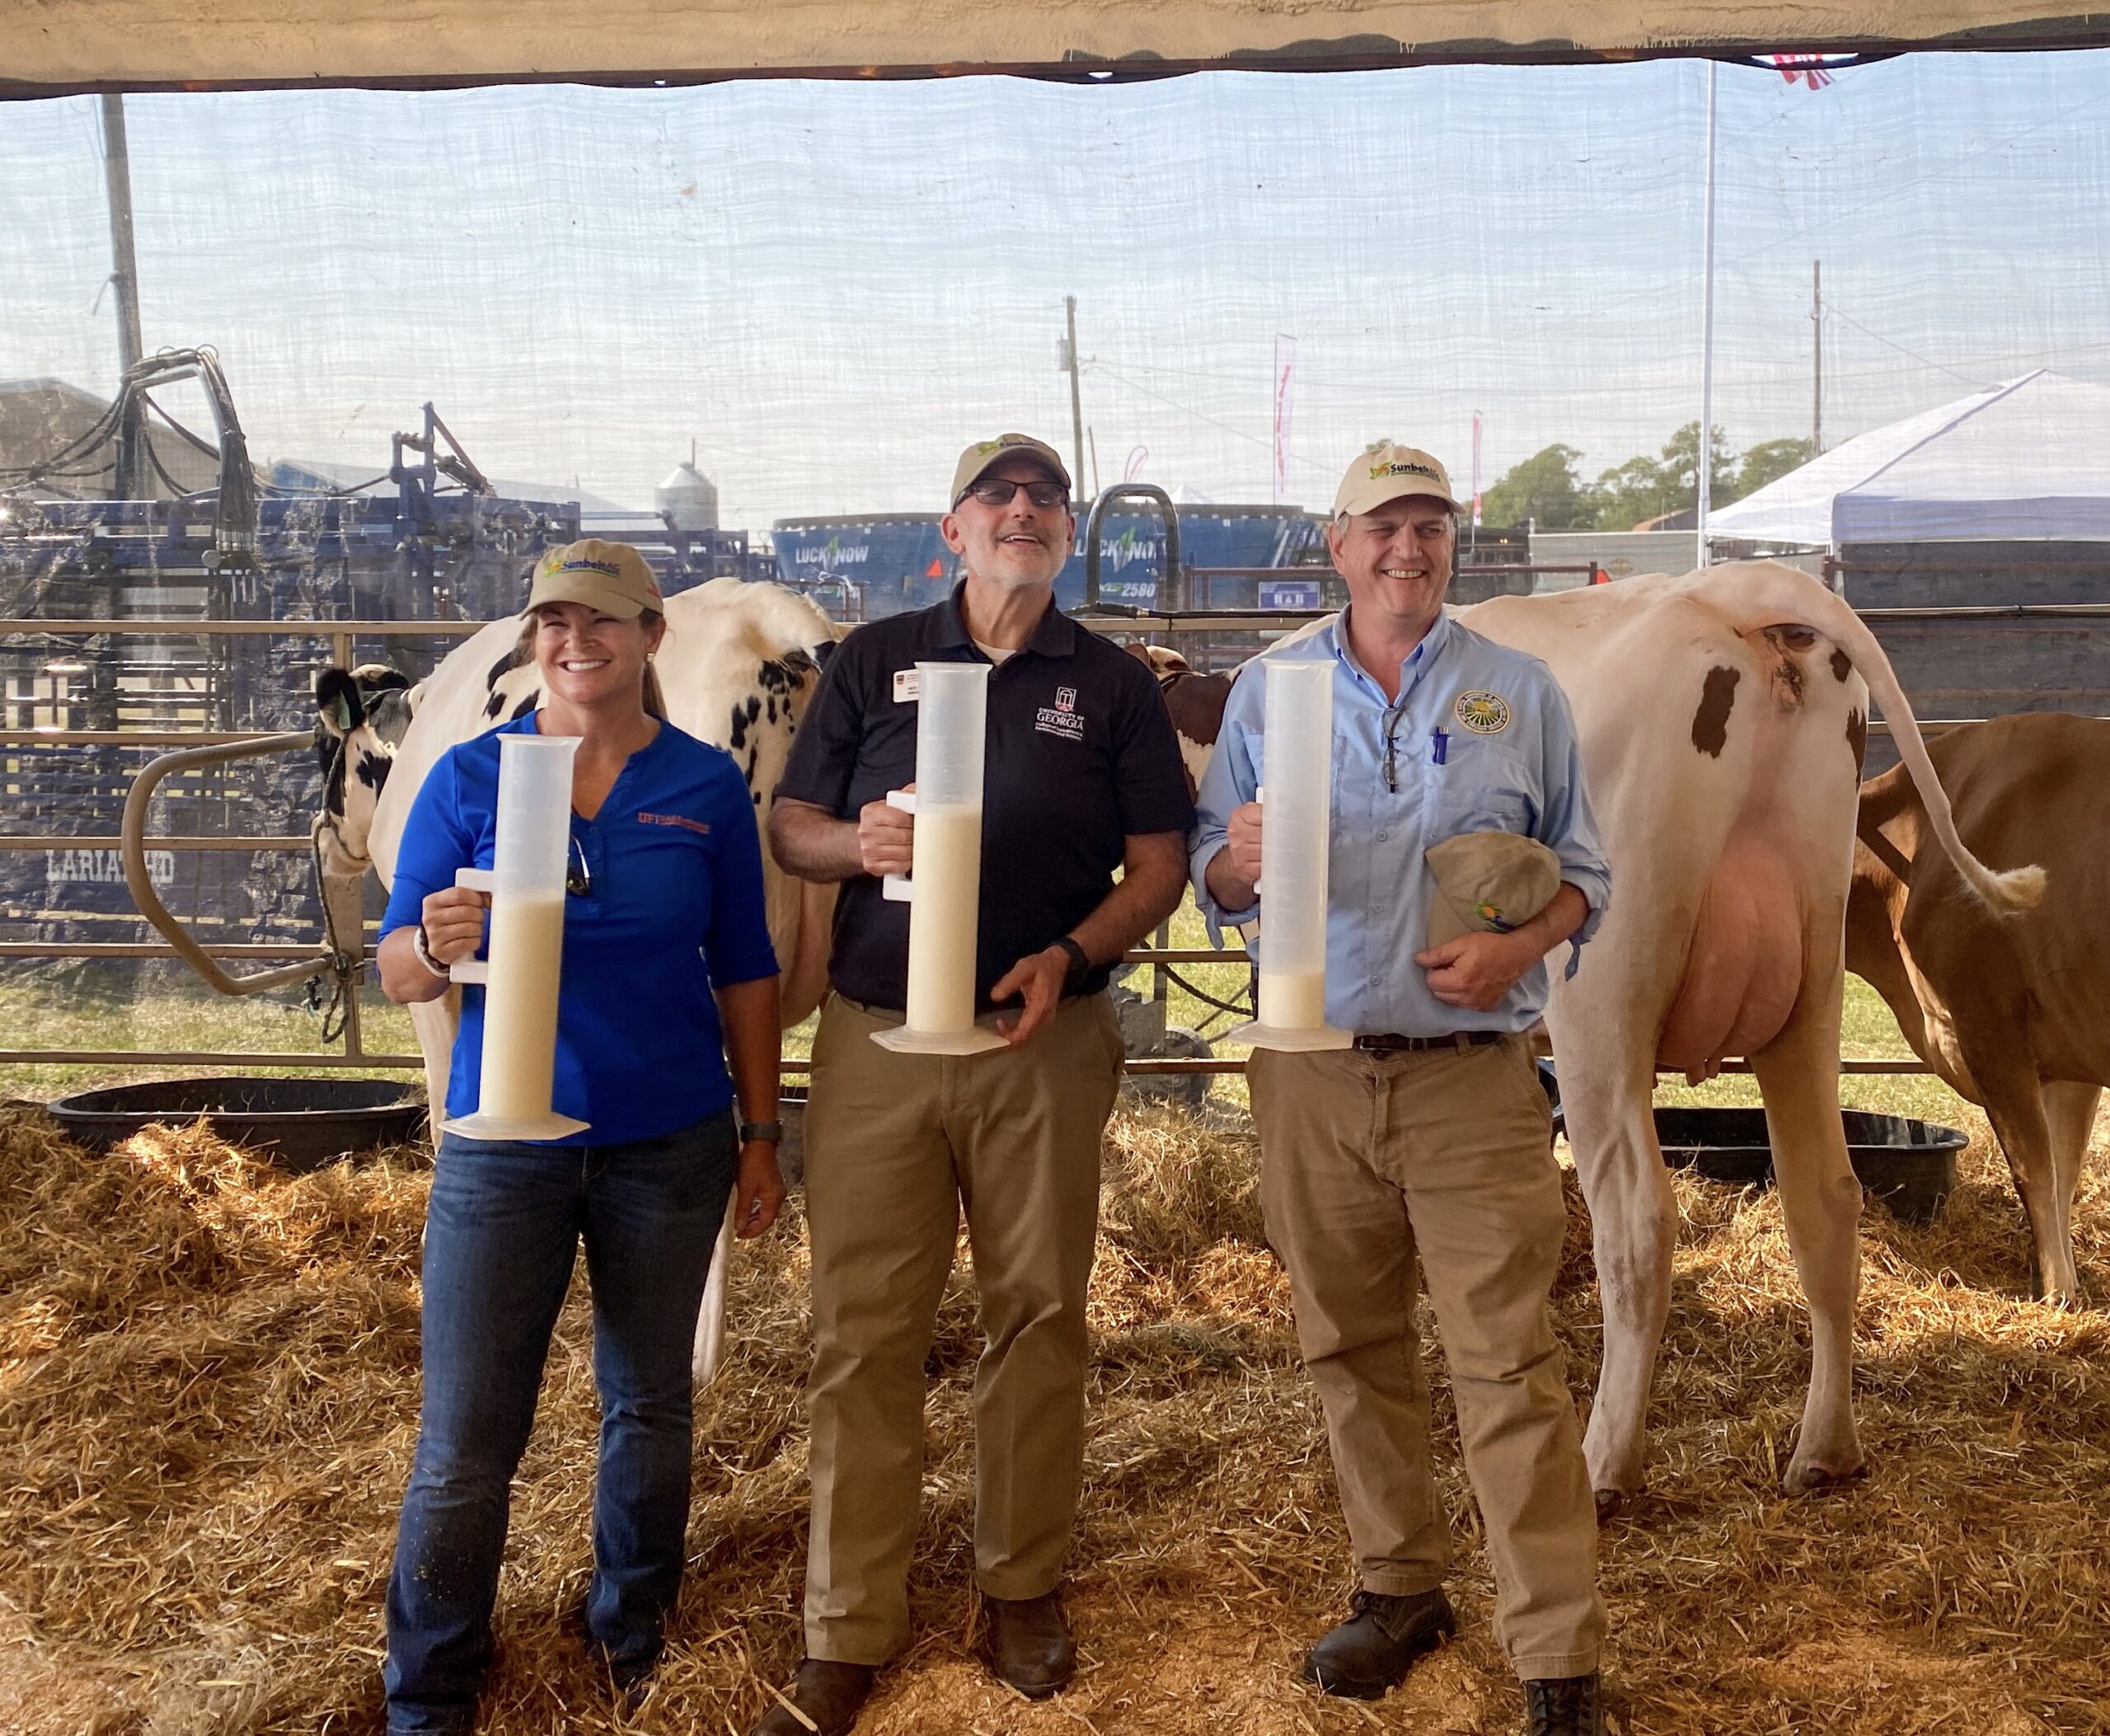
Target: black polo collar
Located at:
point(1054, 635)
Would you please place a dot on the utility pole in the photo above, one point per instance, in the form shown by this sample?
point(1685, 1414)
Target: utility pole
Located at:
point(1076, 393)
point(1816, 356)
point(129, 483)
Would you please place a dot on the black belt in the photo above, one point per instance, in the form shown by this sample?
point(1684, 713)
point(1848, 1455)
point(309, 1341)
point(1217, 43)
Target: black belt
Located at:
point(1391, 1042)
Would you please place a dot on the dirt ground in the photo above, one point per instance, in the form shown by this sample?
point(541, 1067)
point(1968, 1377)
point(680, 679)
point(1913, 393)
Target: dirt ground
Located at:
point(207, 1401)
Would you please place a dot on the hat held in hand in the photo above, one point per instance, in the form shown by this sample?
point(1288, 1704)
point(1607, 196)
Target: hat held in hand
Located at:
point(1489, 883)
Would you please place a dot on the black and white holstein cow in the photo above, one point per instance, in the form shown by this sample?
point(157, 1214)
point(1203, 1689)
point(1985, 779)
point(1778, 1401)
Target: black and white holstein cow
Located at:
point(1722, 716)
point(736, 666)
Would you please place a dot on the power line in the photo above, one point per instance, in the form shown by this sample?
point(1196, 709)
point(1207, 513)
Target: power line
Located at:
point(1837, 311)
point(1189, 410)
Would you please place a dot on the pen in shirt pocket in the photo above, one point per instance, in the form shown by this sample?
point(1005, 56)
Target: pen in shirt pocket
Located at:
point(1439, 746)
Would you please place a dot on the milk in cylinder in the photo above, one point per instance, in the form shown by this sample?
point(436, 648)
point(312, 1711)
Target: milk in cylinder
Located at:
point(1298, 801)
point(1293, 999)
point(942, 918)
point(525, 880)
point(520, 1025)
point(943, 886)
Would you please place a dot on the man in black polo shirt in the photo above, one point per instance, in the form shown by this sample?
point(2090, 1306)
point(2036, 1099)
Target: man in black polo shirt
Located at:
point(1082, 776)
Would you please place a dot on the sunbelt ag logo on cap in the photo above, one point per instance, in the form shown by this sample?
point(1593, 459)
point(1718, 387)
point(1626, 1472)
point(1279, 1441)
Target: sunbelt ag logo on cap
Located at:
point(1401, 468)
point(584, 563)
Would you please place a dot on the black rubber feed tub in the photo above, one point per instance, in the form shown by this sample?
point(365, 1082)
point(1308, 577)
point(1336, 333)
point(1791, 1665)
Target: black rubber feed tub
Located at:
point(1910, 1166)
point(299, 1123)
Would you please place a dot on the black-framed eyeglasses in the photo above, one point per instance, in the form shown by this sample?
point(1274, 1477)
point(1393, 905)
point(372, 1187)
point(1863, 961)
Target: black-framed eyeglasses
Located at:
point(998, 490)
point(578, 877)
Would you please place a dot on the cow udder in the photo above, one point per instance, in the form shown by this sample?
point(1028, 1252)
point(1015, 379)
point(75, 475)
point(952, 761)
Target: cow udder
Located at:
point(1744, 967)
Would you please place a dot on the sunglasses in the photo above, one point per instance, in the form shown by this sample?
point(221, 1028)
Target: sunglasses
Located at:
point(578, 877)
point(997, 492)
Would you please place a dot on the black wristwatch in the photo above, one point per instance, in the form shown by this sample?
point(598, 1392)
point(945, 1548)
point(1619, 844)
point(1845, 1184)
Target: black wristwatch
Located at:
point(773, 1131)
point(1081, 965)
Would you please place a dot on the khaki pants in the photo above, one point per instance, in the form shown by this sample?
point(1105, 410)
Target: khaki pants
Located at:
point(895, 1146)
point(1367, 1161)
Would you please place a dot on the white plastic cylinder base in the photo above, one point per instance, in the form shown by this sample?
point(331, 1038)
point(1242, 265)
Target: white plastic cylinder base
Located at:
point(905, 1039)
point(480, 1126)
point(1290, 1039)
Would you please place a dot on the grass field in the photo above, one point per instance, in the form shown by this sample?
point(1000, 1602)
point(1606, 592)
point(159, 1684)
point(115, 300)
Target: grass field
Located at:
point(171, 1011)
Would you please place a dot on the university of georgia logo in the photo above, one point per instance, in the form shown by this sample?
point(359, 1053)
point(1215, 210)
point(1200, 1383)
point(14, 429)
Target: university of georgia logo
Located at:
point(1062, 718)
point(1483, 713)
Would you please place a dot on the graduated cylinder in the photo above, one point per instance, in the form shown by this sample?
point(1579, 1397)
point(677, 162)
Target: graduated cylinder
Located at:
point(944, 890)
point(525, 957)
point(1296, 802)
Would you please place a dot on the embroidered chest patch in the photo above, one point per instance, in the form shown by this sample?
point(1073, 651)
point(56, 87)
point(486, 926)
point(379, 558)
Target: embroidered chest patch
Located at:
point(1483, 713)
point(1062, 718)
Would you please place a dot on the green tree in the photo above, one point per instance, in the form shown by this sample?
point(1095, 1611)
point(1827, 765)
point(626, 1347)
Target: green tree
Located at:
point(1644, 488)
point(1770, 460)
point(1682, 466)
point(1634, 491)
point(1544, 489)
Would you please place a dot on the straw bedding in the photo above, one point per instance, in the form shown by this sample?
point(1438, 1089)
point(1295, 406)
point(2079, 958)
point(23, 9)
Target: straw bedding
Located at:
point(208, 1399)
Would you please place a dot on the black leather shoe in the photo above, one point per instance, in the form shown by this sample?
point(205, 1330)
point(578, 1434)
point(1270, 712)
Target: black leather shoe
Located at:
point(1566, 1706)
point(1365, 1656)
point(828, 1694)
point(1025, 1642)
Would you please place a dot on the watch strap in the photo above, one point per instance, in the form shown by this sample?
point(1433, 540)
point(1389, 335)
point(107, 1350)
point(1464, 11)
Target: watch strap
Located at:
point(773, 1131)
point(422, 952)
point(1080, 962)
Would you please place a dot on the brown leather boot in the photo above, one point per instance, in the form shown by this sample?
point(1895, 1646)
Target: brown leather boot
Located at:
point(829, 1694)
point(1026, 1643)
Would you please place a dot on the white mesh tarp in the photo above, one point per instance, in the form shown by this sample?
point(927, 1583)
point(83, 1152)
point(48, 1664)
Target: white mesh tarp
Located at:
point(829, 287)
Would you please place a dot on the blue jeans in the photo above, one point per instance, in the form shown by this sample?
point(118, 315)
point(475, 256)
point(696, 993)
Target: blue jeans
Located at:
point(501, 1230)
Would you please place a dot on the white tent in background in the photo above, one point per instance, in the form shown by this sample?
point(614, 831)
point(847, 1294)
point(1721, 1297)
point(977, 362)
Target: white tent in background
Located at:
point(2028, 459)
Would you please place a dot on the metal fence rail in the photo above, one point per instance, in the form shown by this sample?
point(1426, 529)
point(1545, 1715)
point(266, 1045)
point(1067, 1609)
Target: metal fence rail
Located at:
point(342, 635)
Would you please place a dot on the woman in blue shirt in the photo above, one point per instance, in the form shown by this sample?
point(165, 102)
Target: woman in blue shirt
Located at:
point(667, 973)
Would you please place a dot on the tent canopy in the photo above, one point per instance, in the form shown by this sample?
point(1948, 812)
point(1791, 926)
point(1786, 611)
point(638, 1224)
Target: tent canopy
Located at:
point(2023, 460)
point(49, 47)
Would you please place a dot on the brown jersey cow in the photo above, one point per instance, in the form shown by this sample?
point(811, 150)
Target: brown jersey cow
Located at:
point(2012, 1012)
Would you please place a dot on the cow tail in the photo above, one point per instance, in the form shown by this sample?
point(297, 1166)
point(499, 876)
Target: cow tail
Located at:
point(1762, 595)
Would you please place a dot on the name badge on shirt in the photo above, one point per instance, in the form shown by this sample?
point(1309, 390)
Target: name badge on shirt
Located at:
point(906, 685)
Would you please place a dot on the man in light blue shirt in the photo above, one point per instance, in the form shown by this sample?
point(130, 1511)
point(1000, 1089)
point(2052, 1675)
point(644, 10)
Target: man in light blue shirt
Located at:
point(1428, 1141)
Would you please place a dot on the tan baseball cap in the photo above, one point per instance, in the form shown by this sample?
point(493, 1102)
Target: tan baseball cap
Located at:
point(976, 461)
point(612, 577)
point(1489, 883)
point(1384, 471)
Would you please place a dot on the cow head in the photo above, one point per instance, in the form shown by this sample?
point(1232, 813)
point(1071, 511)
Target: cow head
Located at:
point(361, 716)
point(1194, 701)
